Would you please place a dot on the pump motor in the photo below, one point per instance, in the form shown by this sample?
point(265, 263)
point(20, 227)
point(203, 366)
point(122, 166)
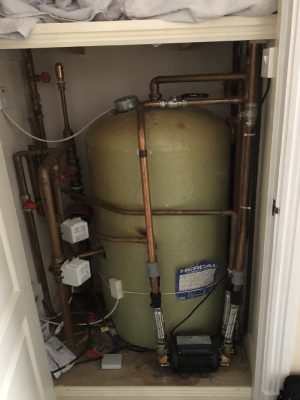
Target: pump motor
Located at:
point(196, 353)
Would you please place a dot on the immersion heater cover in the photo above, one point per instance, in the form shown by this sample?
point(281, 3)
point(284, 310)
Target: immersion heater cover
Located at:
point(193, 353)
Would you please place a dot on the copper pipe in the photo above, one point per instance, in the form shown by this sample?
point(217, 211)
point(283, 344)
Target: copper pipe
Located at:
point(145, 184)
point(117, 239)
point(58, 257)
point(32, 164)
point(157, 212)
point(35, 99)
point(155, 82)
point(58, 194)
point(248, 126)
point(237, 160)
point(72, 159)
point(90, 253)
point(32, 231)
point(154, 282)
point(190, 102)
point(96, 202)
point(232, 242)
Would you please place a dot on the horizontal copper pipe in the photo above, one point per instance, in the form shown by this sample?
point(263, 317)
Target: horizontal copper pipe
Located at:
point(118, 239)
point(157, 212)
point(190, 102)
point(155, 82)
point(90, 253)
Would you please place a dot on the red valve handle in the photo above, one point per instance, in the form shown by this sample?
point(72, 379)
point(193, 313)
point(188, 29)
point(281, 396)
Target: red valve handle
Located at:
point(44, 77)
point(67, 176)
point(29, 205)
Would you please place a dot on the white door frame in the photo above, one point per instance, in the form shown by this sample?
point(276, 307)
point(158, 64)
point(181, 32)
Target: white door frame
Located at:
point(281, 273)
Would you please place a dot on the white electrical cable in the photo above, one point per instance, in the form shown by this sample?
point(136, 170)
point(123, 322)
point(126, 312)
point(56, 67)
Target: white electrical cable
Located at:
point(102, 319)
point(145, 293)
point(85, 324)
point(53, 141)
point(49, 322)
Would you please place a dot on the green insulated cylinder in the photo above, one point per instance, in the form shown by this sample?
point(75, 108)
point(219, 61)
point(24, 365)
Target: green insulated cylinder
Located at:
point(189, 163)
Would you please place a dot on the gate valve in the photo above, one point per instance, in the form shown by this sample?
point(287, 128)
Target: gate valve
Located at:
point(29, 205)
point(67, 176)
point(44, 77)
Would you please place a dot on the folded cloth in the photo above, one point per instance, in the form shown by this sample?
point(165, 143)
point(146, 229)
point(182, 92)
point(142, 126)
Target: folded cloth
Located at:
point(197, 10)
point(18, 17)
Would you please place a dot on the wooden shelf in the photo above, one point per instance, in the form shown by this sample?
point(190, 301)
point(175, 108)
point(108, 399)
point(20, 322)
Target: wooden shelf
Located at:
point(114, 33)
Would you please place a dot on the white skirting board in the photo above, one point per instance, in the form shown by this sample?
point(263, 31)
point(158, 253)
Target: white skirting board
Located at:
point(152, 392)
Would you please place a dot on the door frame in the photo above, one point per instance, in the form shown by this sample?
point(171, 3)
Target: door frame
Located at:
point(281, 274)
point(279, 293)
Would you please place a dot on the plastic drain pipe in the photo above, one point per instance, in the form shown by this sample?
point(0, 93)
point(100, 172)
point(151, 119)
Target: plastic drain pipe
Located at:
point(152, 263)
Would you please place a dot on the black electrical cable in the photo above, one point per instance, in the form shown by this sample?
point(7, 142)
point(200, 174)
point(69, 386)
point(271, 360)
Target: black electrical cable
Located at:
point(89, 360)
point(263, 99)
point(197, 306)
point(87, 346)
point(269, 81)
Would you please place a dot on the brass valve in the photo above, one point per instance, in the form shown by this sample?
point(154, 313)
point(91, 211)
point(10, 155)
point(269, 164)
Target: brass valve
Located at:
point(59, 70)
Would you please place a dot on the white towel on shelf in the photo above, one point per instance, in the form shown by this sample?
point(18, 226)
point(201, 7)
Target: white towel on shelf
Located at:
point(197, 10)
point(18, 17)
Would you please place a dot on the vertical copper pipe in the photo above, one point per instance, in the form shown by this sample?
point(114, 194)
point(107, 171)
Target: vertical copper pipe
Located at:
point(248, 125)
point(35, 99)
point(32, 232)
point(32, 163)
point(237, 160)
point(58, 257)
point(72, 159)
point(154, 282)
point(58, 194)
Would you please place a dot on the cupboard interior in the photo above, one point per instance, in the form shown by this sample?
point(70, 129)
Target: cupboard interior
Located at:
point(95, 77)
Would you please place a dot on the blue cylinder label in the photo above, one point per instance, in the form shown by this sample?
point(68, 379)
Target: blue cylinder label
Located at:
point(195, 280)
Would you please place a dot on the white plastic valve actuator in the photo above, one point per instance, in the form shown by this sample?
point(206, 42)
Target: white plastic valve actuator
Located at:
point(74, 230)
point(75, 272)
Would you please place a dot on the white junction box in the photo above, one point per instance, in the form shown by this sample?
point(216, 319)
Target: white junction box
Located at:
point(111, 361)
point(268, 66)
point(75, 272)
point(74, 230)
point(116, 290)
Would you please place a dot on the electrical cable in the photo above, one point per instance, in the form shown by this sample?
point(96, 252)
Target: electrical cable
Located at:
point(86, 347)
point(25, 132)
point(88, 342)
point(197, 306)
point(85, 324)
point(104, 318)
point(269, 81)
point(89, 360)
point(146, 293)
